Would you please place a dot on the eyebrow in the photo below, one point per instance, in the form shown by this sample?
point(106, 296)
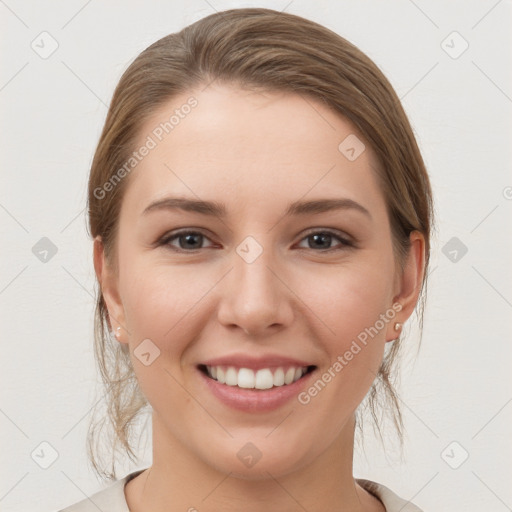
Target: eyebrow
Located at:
point(214, 208)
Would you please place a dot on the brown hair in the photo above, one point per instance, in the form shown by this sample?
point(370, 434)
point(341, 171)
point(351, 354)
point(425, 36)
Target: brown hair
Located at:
point(262, 49)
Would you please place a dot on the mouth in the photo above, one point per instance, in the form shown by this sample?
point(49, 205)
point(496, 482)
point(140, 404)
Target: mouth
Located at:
point(261, 379)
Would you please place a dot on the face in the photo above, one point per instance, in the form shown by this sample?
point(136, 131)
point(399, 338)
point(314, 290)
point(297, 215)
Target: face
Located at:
point(284, 286)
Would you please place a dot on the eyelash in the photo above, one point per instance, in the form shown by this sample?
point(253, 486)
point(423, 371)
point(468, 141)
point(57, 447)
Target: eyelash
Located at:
point(345, 243)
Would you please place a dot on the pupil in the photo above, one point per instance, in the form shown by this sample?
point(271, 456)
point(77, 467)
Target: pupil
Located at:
point(324, 237)
point(189, 237)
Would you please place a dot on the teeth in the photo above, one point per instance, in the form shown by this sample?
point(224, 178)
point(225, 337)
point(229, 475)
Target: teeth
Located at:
point(231, 377)
point(289, 375)
point(264, 379)
point(279, 377)
point(246, 378)
point(261, 379)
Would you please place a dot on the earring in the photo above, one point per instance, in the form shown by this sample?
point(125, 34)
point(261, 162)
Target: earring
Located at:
point(118, 332)
point(398, 326)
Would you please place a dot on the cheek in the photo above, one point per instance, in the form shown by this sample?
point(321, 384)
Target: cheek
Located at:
point(352, 307)
point(160, 303)
point(350, 299)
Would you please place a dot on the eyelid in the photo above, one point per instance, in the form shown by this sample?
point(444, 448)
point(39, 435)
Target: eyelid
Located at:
point(346, 240)
point(342, 235)
point(167, 237)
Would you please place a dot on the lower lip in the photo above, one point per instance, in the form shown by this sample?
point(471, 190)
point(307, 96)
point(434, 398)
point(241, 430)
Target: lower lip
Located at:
point(255, 400)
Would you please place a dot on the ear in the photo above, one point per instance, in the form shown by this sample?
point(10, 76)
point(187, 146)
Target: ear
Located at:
point(108, 281)
point(408, 284)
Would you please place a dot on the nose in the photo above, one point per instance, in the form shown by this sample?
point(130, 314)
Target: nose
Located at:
point(254, 296)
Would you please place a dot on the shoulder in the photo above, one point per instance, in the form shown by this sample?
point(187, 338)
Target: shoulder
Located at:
point(390, 500)
point(111, 498)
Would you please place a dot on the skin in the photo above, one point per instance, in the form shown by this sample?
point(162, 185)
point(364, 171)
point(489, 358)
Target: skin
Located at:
point(256, 153)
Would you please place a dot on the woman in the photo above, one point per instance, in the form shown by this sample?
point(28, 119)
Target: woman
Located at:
point(261, 217)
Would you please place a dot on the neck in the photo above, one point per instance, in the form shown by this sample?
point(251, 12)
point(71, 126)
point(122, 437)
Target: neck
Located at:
point(180, 481)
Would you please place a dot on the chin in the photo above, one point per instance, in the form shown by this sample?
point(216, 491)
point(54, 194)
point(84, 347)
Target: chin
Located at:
point(253, 464)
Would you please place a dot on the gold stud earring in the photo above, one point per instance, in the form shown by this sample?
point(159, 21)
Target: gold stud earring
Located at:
point(398, 326)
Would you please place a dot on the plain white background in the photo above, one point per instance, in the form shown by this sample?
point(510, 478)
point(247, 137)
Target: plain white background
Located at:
point(458, 387)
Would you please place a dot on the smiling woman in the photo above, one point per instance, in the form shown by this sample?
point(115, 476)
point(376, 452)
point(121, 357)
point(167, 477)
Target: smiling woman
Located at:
point(256, 266)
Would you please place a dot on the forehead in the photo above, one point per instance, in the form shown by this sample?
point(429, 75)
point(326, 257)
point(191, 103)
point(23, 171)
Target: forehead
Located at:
point(251, 147)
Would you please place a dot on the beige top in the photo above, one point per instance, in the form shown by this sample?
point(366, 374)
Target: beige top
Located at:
point(112, 499)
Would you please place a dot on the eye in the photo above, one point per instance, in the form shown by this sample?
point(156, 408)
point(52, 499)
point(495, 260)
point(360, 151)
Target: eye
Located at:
point(322, 240)
point(187, 240)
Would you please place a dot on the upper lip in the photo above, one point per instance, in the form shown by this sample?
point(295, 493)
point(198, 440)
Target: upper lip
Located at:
point(255, 363)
